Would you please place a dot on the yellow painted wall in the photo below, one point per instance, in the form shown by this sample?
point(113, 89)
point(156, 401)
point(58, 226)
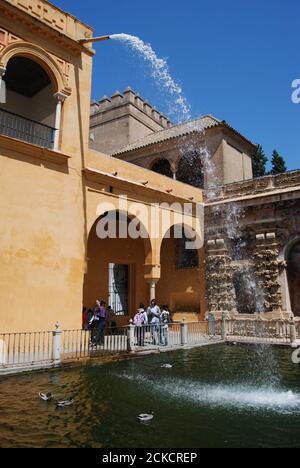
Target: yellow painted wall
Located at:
point(100, 253)
point(178, 288)
point(42, 208)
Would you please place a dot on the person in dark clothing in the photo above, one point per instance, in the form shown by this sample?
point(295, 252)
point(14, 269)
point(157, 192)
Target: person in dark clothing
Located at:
point(100, 317)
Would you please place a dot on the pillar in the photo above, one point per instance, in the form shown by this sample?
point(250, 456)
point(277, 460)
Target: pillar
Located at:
point(60, 100)
point(56, 352)
point(2, 86)
point(184, 333)
point(130, 338)
point(152, 284)
point(293, 333)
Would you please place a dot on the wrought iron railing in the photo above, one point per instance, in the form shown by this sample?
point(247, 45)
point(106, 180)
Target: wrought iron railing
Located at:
point(21, 128)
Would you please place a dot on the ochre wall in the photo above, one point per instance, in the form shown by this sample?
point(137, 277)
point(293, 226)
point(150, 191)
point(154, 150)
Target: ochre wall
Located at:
point(100, 253)
point(178, 288)
point(42, 209)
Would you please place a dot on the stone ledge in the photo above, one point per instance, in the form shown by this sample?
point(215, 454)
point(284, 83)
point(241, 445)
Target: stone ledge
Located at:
point(33, 151)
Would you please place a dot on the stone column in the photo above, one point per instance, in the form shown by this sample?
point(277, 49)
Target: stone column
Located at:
point(267, 271)
point(60, 100)
point(57, 335)
point(184, 333)
point(2, 86)
point(130, 337)
point(219, 278)
point(152, 284)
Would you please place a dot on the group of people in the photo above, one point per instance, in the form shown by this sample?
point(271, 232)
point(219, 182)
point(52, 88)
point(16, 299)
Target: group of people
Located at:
point(154, 319)
point(97, 320)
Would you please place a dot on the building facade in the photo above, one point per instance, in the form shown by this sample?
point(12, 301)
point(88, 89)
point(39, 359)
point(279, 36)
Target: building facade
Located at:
point(71, 169)
point(55, 189)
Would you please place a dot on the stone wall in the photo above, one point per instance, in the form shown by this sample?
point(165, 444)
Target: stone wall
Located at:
point(258, 241)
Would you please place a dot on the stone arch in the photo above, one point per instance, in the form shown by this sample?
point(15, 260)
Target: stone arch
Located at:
point(39, 55)
point(113, 256)
point(292, 258)
point(185, 298)
point(285, 273)
point(162, 166)
point(190, 170)
point(130, 214)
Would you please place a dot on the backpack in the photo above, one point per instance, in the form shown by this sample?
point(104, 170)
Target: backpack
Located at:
point(165, 318)
point(138, 320)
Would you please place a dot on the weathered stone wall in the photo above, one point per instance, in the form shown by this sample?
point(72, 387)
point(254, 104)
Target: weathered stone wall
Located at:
point(259, 237)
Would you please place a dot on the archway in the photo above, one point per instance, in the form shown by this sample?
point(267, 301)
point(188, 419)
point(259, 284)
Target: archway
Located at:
point(163, 167)
point(294, 277)
point(30, 108)
point(180, 283)
point(190, 170)
point(116, 269)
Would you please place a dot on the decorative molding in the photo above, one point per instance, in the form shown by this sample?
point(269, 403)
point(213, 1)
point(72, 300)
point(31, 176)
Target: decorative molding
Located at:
point(57, 68)
point(36, 152)
point(53, 17)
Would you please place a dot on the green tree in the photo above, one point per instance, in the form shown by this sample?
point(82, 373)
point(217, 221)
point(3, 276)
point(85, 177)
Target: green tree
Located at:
point(259, 162)
point(278, 163)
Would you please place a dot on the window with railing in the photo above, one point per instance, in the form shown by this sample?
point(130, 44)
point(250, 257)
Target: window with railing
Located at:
point(29, 108)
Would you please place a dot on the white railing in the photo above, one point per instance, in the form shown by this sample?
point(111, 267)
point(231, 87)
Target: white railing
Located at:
point(26, 351)
point(18, 349)
point(151, 336)
point(78, 344)
point(264, 331)
point(197, 331)
point(171, 336)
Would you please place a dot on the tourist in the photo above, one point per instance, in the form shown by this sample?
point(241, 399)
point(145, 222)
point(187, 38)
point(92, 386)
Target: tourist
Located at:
point(153, 313)
point(164, 326)
point(140, 321)
point(100, 318)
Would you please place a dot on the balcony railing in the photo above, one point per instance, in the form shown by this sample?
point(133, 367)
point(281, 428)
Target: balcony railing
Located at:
point(24, 129)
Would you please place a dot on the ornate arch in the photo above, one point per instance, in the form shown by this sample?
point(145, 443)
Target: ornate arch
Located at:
point(39, 55)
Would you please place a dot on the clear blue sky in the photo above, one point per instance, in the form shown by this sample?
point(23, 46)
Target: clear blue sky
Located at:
point(234, 59)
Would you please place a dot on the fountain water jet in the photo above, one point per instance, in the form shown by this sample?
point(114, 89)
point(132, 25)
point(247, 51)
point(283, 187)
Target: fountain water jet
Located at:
point(160, 72)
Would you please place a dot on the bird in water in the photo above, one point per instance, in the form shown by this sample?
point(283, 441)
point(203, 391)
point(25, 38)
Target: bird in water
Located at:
point(46, 396)
point(146, 417)
point(65, 403)
point(167, 366)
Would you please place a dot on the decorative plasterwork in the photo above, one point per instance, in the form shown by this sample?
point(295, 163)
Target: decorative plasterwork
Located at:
point(59, 69)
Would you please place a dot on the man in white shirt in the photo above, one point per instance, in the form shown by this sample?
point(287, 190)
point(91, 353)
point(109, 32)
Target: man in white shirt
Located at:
point(153, 313)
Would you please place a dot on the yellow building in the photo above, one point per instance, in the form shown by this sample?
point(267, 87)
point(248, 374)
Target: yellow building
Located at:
point(54, 190)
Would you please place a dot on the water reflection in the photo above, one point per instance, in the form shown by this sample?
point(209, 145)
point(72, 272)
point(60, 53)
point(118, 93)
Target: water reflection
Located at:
point(216, 396)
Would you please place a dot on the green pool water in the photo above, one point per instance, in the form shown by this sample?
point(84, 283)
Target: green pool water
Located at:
point(216, 396)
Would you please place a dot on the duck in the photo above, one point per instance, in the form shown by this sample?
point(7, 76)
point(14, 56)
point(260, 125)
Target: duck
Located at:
point(167, 366)
point(64, 403)
point(146, 417)
point(46, 396)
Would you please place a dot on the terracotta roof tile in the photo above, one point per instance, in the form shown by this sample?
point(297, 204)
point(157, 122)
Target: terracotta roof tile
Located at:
point(194, 126)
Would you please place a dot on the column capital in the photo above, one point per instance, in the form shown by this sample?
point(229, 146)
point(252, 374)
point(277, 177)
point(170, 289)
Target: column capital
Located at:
point(2, 71)
point(60, 97)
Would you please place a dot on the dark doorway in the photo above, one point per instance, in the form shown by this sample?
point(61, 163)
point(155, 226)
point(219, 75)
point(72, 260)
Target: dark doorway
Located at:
point(162, 166)
point(294, 278)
